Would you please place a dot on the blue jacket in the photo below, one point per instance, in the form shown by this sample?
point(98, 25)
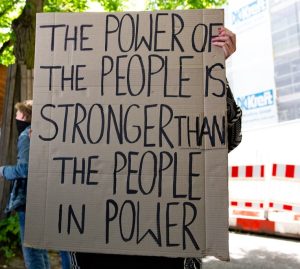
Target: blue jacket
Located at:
point(18, 174)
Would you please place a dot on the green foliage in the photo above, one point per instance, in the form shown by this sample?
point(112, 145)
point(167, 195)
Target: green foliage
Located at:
point(9, 10)
point(65, 5)
point(112, 5)
point(183, 4)
point(196, 4)
point(7, 57)
point(9, 237)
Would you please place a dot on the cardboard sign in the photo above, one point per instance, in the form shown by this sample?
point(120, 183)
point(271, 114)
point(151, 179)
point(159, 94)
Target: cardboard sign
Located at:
point(128, 152)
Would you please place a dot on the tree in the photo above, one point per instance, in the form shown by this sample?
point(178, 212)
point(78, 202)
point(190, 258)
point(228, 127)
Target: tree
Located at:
point(9, 10)
point(183, 4)
point(114, 5)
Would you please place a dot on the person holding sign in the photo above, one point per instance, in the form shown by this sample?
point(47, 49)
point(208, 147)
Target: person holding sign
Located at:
point(34, 258)
point(227, 41)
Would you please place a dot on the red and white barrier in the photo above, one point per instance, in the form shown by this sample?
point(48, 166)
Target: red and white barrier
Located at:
point(247, 171)
point(284, 207)
point(266, 226)
point(265, 205)
point(284, 188)
point(284, 201)
point(286, 171)
point(247, 191)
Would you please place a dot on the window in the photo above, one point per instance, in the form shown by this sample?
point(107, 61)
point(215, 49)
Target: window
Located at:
point(285, 27)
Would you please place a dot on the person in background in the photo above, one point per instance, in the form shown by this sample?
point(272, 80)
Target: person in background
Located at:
point(227, 41)
point(65, 258)
point(18, 173)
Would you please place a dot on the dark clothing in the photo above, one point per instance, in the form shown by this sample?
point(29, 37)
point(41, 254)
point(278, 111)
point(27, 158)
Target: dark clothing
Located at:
point(97, 261)
point(234, 121)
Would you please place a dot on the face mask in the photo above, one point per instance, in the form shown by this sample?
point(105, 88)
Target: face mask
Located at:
point(21, 125)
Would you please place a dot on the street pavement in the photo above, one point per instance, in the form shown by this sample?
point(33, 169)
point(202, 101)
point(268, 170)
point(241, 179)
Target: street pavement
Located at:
point(258, 252)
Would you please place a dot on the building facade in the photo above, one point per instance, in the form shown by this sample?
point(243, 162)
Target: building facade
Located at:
point(285, 31)
point(265, 70)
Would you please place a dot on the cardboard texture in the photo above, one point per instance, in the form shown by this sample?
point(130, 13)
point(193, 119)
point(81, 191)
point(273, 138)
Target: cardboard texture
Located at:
point(129, 144)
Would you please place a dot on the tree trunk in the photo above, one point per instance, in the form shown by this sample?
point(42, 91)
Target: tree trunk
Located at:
point(24, 30)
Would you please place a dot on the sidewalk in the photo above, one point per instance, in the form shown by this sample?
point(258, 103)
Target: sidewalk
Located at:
point(246, 252)
point(258, 252)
